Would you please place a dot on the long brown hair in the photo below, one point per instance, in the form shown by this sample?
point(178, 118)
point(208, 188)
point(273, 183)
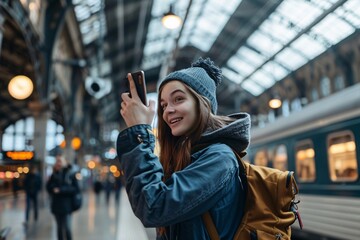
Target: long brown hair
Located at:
point(175, 152)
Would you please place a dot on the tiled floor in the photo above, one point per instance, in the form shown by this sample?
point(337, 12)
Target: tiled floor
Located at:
point(95, 220)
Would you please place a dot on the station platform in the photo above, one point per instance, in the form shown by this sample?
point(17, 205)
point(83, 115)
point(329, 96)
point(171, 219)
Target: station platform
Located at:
point(95, 220)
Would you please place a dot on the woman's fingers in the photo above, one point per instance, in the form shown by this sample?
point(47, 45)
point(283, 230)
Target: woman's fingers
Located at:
point(133, 91)
point(125, 97)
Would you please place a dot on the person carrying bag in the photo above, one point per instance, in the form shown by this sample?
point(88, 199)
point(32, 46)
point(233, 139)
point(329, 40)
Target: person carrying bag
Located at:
point(62, 187)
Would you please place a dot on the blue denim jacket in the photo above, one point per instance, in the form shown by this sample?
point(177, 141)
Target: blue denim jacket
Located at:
point(210, 183)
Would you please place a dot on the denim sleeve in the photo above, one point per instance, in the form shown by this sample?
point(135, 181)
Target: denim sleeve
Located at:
point(188, 193)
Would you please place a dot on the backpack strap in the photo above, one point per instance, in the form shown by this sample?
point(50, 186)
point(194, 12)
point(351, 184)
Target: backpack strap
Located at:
point(242, 170)
point(210, 226)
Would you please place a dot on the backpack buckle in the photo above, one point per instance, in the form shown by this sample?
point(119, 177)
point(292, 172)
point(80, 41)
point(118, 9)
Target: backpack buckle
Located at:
point(278, 236)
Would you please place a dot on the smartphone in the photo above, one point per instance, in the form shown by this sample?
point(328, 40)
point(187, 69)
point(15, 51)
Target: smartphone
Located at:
point(140, 84)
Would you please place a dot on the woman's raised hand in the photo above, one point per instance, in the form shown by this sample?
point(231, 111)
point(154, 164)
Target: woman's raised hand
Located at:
point(133, 110)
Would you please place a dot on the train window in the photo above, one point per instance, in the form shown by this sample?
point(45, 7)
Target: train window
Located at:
point(339, 82)
point(261, 158)
point(314, 94)
point(280, 158)
point(325, 86)
point(305, 161)
point(296, 105)
point(342, 156)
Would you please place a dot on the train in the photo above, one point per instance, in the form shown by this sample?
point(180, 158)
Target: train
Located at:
point(321, 144)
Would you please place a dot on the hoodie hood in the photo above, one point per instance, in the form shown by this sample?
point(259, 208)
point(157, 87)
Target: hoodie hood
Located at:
point(236, 134)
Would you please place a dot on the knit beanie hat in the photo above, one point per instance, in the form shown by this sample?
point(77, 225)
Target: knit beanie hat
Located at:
point(203, 77)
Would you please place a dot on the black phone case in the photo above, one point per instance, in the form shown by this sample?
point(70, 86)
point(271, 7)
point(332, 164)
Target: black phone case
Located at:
point(139, 80)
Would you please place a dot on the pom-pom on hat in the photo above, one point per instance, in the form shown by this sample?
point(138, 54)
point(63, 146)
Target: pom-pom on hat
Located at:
point(203, 77)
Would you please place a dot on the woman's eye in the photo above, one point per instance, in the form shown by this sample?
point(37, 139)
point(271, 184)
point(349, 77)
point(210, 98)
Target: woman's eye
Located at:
point(178, 99)
point(163, 107)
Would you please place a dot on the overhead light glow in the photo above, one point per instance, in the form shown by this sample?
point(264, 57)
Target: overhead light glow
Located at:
point(20, 87)
point(275, 103)
point(76, 143)
point(170, 20)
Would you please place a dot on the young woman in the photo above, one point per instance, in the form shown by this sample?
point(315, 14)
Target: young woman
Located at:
point(197, 170)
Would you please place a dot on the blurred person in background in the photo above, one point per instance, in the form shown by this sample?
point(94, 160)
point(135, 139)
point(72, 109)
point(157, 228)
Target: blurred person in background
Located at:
point(32, 187)
point(117, 189)
point(62, 186)
point(15, 187)
point(97, 186)
point(109, 187)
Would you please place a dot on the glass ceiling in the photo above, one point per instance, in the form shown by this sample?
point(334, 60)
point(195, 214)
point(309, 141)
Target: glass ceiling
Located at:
point(285, 41)
point(199, 30)
point(89, 14)
point(92, 23)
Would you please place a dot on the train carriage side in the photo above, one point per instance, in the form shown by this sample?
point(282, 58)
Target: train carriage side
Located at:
point(321, 144)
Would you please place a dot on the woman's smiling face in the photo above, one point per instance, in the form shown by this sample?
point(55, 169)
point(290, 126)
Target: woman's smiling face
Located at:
point(179, 107)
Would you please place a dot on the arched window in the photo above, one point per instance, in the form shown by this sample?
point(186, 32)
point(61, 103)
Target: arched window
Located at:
point(325, 86)
point(296, 105)
point(20, 136)
point(339, 82)
point(314, 94)
point(285, 108)
point(54, 135)
point(271, 115)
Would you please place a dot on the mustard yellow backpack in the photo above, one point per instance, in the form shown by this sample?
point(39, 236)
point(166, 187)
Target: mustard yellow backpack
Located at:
point(270, 207)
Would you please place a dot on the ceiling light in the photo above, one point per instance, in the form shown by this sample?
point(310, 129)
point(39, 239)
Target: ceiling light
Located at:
point(275, 103)
point(20, 87)
point(170, 20)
